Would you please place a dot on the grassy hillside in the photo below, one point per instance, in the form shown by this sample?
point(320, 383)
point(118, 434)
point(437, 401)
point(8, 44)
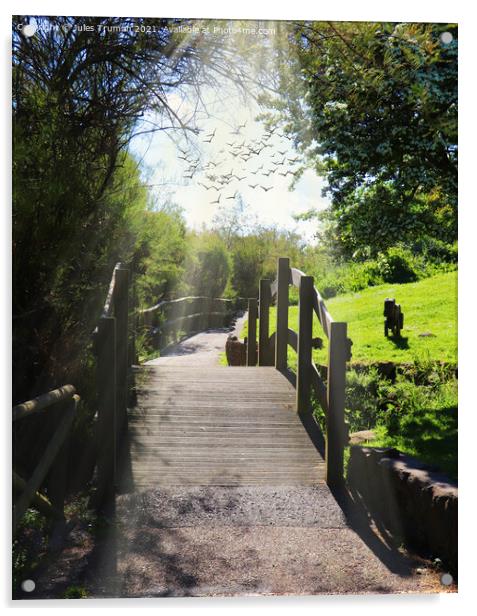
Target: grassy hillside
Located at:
point(429, 306)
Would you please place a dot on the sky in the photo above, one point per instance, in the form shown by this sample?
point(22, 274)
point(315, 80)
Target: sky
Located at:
point(232, 155)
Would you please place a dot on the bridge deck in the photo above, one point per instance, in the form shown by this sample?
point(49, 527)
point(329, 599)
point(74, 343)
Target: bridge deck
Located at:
point(217, 426)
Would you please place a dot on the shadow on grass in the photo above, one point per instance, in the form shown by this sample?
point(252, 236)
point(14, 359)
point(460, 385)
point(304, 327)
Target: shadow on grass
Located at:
point(399, 342)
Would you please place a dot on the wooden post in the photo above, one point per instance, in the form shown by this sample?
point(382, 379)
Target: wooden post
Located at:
point(58, 474)
point(58, 480)
point(106, 427)
point(335, 419)
point(252, 333)
point(281, 340)
point(121, 313)
point(305, 331)
point(264, 319)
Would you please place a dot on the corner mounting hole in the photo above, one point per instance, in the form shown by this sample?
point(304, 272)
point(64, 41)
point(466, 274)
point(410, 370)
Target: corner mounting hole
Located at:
point(28, 585)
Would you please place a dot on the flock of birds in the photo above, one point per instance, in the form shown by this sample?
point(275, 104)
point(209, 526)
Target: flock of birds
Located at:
point(241, 151)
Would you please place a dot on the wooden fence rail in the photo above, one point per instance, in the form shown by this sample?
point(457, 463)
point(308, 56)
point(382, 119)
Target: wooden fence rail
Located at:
point(272, 350)
point(53, 461)
point(168, 320)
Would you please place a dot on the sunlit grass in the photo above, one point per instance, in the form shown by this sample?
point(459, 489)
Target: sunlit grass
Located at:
point(429, 306)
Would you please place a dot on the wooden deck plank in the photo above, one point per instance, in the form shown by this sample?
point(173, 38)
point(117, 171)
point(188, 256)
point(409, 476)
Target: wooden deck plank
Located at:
point(216, 426)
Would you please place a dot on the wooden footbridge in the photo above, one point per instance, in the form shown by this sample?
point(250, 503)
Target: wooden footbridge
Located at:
point(169, 425)
point(218, 477)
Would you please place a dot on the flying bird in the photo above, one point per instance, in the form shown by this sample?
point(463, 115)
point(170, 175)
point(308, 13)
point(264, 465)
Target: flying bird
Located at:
point(266, 188)
point(207, 187)
point(217, 201)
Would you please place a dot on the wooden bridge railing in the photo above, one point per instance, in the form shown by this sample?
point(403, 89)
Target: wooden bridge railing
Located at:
point(167, 319)
point(53, 462)
point(114, 356)
point(111, 347)
point(272, 350)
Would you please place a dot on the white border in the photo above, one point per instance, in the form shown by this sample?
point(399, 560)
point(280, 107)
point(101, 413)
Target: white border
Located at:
point(364, 10)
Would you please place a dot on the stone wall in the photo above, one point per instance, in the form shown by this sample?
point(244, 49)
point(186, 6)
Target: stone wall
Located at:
point(412, 499)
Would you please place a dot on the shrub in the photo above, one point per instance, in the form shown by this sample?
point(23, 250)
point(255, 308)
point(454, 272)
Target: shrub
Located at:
point(397, 265)
point(349, 277)
point(417, 413)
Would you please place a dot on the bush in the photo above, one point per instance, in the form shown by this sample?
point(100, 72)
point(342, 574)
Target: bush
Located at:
point(350, 277)
point(436, 251)
point(398, 265)
point(417, 413)
point(207, 267)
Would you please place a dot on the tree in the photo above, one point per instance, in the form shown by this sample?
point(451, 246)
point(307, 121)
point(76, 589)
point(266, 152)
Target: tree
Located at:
point(374, 106)
point(207, 267)
point(82, 88)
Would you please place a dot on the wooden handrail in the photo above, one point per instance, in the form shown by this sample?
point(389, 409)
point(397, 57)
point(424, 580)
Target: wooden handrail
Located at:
point(195, 313)
point(43, 402)
point(170, 302)
point(54, 451)
point(330, 395)
point(319, 307)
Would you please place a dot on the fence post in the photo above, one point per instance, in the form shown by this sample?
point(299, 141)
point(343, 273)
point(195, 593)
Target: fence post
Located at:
point(121, 313)
point(107, 421)
point(252, 333)
point(58, 477)
point(305, 334)
point(281, 340)
point(335, 419)
point(264, 321)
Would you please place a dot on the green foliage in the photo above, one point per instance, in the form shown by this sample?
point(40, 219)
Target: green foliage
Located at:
point(248, 265)
point(396, 265)
point(362, 400)
point(160, 252)
point(420, 420)
point(29, 543)
point(75, 592)
point(374, 108)
point(348, 278)
point(399, 263)
point(207, 267)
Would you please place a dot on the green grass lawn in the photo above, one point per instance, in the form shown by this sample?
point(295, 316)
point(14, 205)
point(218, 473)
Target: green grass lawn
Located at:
point(429, 306)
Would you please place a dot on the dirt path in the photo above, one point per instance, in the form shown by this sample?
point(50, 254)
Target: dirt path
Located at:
point(202, 349)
